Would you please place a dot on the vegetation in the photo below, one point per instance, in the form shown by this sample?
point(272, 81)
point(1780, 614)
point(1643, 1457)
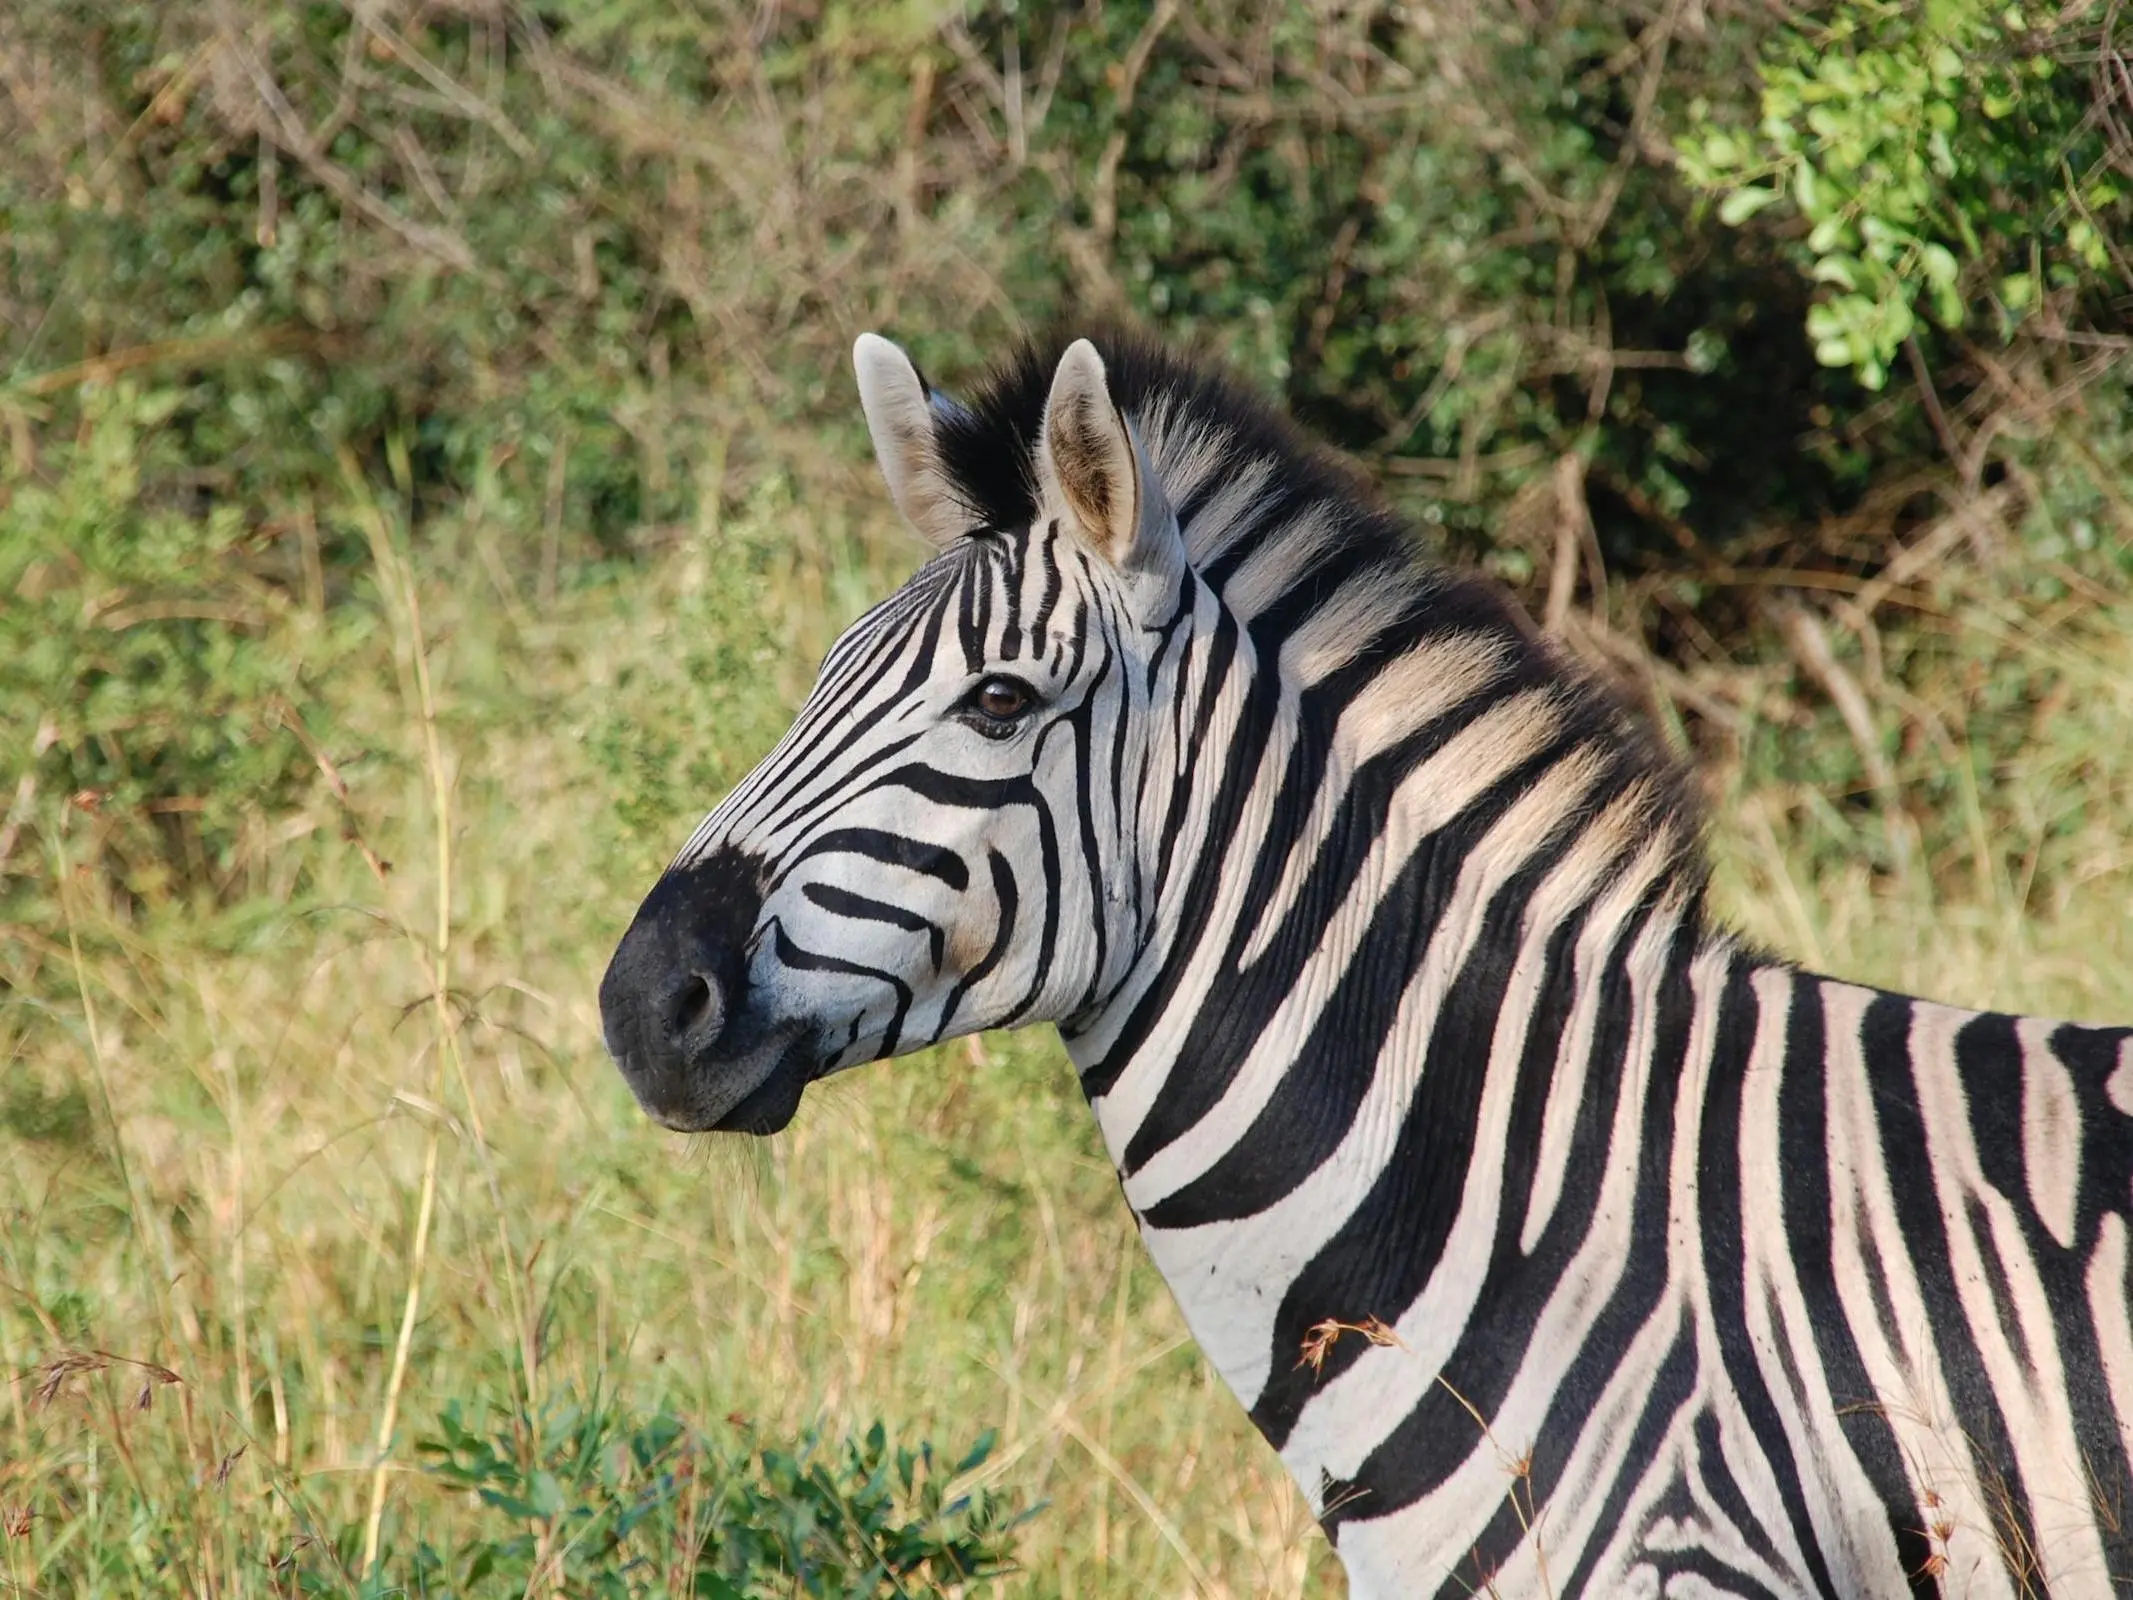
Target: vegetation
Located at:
point(610, 1509)
point(1940, 161)
point(428, 475)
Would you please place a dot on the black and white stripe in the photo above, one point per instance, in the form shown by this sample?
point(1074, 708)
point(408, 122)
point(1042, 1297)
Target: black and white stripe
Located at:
point(1377, 936)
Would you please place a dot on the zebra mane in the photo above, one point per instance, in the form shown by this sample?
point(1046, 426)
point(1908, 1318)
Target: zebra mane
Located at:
point(1331, 583)
point(1204, 432)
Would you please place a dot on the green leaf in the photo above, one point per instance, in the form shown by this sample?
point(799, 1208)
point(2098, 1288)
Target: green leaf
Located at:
point(1742, 204)
point(511, 1505)
point(1807, 190)
point(976, 1456)
point(2087, 246)
point(1838, 269)
point(1826, 235)
point(1893, 324)
point(546, 1491)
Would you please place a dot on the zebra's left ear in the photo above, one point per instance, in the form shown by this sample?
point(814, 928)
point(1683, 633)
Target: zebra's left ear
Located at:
point(900, 417)
point(1089, 459)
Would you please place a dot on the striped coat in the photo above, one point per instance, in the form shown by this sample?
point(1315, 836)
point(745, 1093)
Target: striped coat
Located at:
point(1561, 1244)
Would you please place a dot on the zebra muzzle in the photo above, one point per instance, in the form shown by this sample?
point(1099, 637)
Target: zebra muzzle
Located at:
point(674, 1002)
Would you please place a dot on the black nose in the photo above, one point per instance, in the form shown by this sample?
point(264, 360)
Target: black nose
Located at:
point(679, 978)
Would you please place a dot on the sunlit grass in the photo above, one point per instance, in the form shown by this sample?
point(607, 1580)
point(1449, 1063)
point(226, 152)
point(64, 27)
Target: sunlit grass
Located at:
point(2014, 898)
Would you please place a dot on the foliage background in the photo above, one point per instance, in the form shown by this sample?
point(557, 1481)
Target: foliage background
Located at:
point(428, 472)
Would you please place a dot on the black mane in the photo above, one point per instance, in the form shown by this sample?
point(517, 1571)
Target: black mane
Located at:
point(989, 439)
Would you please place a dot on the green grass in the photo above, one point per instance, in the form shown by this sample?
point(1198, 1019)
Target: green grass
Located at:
point(2001, 878)
point(346, 1160)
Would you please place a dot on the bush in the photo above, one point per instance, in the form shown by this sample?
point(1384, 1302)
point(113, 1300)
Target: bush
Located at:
point(151, 668)
point(1443, 238)
point(594, 263)
point(582, 274)
point(582, 1495)
point(1952, 158)
point(602, 1503)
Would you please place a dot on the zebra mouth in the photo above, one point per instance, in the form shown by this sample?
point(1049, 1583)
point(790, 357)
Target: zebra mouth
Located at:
point(770, 1105)
point(756, 1090)
point(753, 1089)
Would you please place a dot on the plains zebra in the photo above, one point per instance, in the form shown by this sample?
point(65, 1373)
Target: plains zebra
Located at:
point(1557, 1241)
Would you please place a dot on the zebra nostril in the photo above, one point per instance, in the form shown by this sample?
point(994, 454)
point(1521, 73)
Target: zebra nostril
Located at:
point(693, 999)
point(676, 989)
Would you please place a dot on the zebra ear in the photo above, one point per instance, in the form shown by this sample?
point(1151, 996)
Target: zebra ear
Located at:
point(900, 413)
point(1089, 458)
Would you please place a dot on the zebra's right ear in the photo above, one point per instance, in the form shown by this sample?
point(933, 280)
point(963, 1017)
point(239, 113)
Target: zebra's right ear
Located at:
point(1089, 457)
point(900, 417)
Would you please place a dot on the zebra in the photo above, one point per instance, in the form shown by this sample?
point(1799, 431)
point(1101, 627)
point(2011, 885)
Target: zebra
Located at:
point(1560, 1242)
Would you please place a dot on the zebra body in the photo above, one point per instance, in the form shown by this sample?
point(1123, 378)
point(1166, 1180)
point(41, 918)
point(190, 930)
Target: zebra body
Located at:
point(1558, 1242)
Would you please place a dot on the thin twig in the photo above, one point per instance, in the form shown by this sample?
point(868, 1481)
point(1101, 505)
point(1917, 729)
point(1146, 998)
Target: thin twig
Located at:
point(1926, 551)
point(1655, 48)
point(1931, 398)
point(389, 569)
point(1803, 634)
point(1573, 521)
point(1103, 194)
point(25, 801)
point(289, 132)
point(397, 577)
point(202, 351)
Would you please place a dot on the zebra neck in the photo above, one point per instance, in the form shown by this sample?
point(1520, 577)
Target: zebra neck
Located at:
point(1372, 1072)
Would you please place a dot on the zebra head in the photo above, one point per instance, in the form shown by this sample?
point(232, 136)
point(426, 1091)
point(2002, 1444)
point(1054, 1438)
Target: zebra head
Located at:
point(945, 839)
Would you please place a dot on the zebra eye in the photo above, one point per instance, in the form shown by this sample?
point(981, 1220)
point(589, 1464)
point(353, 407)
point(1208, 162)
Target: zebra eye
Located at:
point(1002, 699)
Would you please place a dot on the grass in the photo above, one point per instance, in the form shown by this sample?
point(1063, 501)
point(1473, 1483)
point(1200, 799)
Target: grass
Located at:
point(2010, 892)
point(288, 1184)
